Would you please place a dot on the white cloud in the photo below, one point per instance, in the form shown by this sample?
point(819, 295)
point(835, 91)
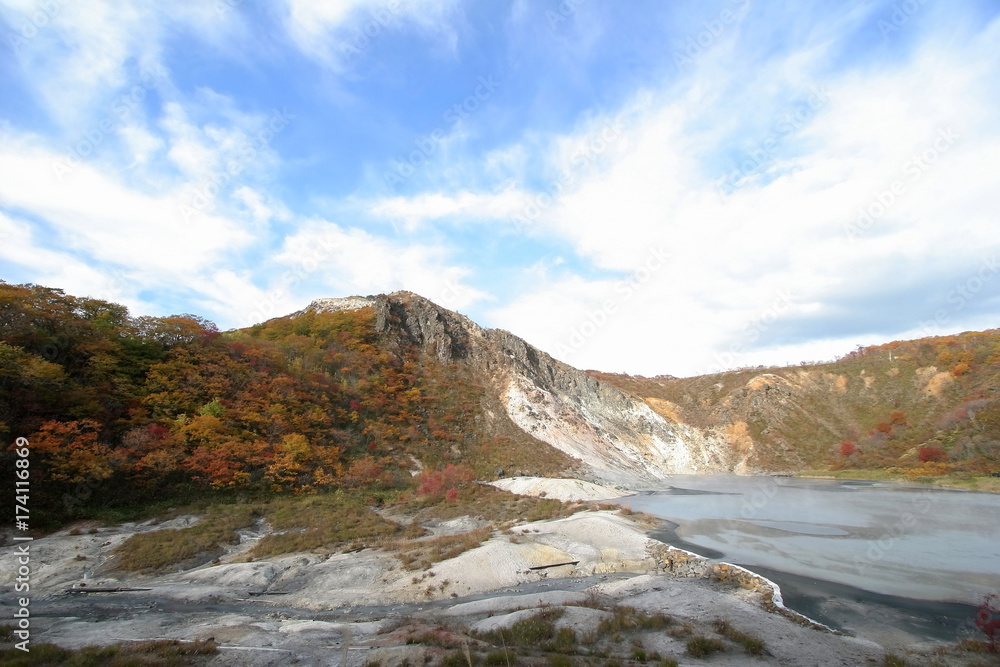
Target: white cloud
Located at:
point(325, 259)
point(923, 123)
point(95, 216)
point(414, 211)
point(335, 31)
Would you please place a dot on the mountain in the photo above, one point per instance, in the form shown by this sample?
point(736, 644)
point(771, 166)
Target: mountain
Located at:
point(617, 436)
point(924, 408)
point(386, 394)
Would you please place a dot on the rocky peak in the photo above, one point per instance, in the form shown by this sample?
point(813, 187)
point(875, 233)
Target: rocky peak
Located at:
point(618, 435)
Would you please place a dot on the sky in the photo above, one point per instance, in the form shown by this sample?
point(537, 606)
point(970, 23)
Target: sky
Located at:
point(646, 187)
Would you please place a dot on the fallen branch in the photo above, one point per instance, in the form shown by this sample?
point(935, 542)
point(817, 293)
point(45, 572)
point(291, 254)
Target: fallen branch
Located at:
point(545, 567)
point(105, 590)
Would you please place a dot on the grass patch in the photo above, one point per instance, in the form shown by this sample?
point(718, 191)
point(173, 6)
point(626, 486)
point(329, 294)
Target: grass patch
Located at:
point(335, 521)
point(421, 554)
point(627, 619)
point(973, 646)
point(751, 645)
point(702, 647)
point(490, 504)
point(165, 653)
point(160, 549)
point(535, 631)
point(330, 522)
point(892, 660)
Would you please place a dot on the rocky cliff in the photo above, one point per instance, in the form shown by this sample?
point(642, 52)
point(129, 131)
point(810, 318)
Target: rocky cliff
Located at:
point(616, 435)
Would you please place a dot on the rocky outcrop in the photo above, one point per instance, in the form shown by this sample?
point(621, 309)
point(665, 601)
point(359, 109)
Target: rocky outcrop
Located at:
point(617, 435)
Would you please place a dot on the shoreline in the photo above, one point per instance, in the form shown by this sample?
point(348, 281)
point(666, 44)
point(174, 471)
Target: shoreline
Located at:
point(940, 483)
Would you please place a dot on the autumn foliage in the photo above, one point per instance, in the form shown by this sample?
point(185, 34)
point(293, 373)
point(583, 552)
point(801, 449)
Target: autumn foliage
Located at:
point(134, 408)
point(932, 454)
point(847, 448)
point(444, 482)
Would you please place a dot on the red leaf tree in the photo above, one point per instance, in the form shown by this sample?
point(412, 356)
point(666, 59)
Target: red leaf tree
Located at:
point(928, 454)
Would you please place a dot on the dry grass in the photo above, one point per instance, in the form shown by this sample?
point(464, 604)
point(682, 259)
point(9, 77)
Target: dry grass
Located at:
point(751, 645)
point(329, 522)
point(161, 549)
point(490, 504)
point(165, 653)
point(702, 647)
point(421, 554)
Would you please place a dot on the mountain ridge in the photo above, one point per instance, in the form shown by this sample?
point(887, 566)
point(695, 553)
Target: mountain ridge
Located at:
point(620, 438)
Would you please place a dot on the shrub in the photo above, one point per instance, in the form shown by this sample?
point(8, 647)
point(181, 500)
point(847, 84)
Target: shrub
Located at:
point(847, 448)
point(702, 647)
point(932, 454)
point(439, 482)
point(752, 645)
point(960, 369)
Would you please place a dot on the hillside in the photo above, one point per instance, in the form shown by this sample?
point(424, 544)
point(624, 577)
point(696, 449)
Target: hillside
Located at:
point(378, 395)
point(391, 394)
point(119, 410)
point(926, 408)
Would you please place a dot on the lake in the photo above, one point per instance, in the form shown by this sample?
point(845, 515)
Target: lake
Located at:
point(921, 555)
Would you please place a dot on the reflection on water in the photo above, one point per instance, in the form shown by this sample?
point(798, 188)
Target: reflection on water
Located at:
point(909, 541)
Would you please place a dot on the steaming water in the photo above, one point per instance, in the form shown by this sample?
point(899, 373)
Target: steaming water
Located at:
point(891, 539)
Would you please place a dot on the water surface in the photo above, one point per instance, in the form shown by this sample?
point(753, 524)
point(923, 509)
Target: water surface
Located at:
point(934, 547)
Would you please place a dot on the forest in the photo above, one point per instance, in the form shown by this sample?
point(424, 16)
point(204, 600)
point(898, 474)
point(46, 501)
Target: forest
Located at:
point(122, 410)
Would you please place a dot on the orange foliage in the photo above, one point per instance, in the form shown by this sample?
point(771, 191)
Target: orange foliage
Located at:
point(928, 454)
point(70, 451)
point(439, 482)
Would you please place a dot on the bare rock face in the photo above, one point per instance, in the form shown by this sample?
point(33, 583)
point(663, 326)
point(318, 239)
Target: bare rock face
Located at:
point(616, 434)
point(332, 305)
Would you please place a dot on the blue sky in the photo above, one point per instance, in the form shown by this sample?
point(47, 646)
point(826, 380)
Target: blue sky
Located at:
point(645, 187)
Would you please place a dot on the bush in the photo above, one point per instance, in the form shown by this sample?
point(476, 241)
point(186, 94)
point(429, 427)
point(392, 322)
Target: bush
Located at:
point(440, 482)
point(702, 647)
point(751, 645)
point(932, 454)
point(847, 448)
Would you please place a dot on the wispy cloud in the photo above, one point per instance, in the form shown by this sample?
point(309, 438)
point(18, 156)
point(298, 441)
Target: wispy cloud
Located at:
point(811, 176)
